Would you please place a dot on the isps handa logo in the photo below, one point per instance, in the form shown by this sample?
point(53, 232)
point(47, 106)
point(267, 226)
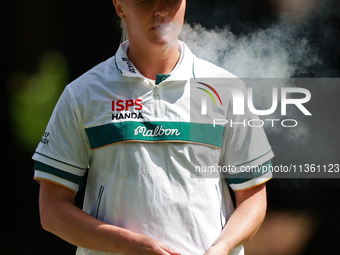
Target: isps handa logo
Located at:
point(127, 109)
point(209, 92)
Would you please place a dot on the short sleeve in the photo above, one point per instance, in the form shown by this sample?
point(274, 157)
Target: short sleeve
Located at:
point(62, 155)
point(245, 149)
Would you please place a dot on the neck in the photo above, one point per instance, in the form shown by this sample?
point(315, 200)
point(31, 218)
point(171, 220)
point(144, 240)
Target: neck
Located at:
point(153, 60)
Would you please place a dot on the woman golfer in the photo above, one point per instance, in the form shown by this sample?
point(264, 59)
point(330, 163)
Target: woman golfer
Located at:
point(127, 122)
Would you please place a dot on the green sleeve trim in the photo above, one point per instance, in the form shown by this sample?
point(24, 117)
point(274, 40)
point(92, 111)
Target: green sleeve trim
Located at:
point(247, 176)
point(255, 159)
point(57, 172)
point(60, 161)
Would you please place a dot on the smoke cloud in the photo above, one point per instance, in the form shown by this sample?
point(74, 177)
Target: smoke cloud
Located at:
point(271, 53)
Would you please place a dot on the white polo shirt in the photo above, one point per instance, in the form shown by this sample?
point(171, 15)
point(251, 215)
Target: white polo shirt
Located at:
point(140, 148)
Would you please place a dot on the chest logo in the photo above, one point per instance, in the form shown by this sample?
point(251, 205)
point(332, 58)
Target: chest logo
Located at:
point(127, 109)
point(158, 131)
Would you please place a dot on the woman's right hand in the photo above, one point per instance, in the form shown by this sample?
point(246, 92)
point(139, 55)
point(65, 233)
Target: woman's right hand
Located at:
point(142, 245)
point(60, 216)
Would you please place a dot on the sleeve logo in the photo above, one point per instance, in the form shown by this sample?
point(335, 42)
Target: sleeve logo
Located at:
point(45, 138)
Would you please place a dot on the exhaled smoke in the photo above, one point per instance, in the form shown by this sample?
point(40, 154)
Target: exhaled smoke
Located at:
point(167, 30)
point(276, 52)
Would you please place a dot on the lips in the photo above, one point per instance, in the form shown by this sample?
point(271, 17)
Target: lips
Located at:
point(161, 27)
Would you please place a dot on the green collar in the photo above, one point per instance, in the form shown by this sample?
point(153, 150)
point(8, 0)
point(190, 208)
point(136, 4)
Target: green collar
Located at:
point(161, 77)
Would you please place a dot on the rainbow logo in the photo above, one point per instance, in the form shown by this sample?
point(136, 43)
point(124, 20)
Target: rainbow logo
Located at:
point(209, 93)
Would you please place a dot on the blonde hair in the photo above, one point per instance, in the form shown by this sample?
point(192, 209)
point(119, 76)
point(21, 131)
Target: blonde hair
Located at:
point(123, 30)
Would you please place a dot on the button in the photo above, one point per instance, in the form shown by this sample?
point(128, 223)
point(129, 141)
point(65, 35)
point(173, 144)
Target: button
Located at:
point(156, 93)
